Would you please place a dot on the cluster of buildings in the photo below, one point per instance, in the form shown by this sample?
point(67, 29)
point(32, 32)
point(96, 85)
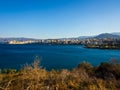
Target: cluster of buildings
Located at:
point(104, 41)
point(20, 42)
point(47, 41)
point(61, 41)
point(90, 42)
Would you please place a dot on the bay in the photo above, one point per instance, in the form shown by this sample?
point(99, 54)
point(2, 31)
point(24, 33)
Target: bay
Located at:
point(53, 56)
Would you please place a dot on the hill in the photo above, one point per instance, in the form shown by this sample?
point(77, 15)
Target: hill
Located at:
point(107, 35)
point(103, 35)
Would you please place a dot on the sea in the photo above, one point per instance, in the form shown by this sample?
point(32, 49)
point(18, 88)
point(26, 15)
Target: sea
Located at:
point(53, 56)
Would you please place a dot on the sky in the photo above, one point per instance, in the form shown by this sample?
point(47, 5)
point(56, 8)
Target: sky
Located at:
point(58, 18)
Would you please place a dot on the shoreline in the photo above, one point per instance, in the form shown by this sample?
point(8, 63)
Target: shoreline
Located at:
point(102, 47)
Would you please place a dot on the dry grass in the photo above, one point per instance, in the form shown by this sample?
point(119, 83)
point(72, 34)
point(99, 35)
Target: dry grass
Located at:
point(83, 77)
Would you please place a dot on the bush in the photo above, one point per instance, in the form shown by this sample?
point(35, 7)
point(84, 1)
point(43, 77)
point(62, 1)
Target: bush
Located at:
point(106, 76)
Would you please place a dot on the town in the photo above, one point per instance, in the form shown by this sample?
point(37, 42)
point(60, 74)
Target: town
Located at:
point(104, 43)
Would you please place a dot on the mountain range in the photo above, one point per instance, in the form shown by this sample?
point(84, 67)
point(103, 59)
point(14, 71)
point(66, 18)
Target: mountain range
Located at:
point(115, 35)
point(107, 35)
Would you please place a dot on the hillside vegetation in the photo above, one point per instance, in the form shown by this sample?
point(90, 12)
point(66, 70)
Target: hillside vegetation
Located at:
point(106, 76)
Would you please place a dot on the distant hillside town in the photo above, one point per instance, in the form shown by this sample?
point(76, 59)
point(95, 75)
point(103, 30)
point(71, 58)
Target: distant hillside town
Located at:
point(105, 40)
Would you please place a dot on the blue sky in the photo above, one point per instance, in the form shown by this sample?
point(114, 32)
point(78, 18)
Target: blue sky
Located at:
point(58, 18)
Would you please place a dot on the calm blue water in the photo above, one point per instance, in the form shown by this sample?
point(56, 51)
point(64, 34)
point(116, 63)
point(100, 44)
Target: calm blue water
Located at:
point(53, 56)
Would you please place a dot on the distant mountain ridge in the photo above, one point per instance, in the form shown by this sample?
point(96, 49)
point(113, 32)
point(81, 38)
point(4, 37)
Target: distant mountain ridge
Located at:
point(116, 33)
point(17, 39)
point(107, 35)
point(85, 37)
point(102, 35)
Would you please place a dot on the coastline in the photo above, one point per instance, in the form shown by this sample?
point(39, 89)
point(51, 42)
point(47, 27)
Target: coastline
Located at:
point(102, 47)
